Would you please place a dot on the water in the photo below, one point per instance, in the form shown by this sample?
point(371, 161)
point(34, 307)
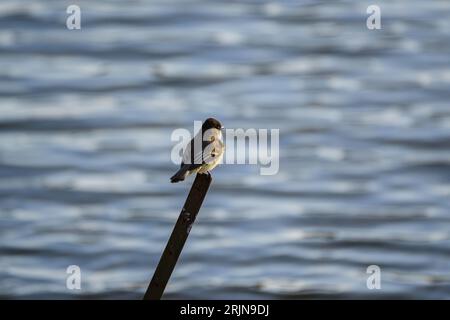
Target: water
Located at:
point(364, 119)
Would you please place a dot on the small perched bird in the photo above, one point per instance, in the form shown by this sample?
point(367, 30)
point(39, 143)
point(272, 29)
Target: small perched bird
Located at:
point(208, 156)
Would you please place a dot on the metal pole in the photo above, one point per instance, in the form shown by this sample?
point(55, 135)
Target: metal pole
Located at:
point(178, 237)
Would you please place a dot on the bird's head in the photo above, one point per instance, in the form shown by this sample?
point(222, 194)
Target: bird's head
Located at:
point(211, 123)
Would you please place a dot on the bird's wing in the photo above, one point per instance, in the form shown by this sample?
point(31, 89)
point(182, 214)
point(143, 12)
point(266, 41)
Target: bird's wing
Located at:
point(209, 153)
point(194, 157)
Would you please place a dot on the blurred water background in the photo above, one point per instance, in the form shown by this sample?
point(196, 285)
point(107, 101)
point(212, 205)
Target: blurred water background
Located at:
point(364, 118)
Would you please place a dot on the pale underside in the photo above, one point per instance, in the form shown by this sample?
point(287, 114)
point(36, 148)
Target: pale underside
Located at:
point(208, 156)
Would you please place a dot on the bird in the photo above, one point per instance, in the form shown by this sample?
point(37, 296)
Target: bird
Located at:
point(204, 160)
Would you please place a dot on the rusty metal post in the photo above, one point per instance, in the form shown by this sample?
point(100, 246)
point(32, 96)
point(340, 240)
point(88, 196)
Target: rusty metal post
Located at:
point(178, 237)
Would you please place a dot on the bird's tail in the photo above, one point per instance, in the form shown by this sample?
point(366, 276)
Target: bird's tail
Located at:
point(181, 174)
